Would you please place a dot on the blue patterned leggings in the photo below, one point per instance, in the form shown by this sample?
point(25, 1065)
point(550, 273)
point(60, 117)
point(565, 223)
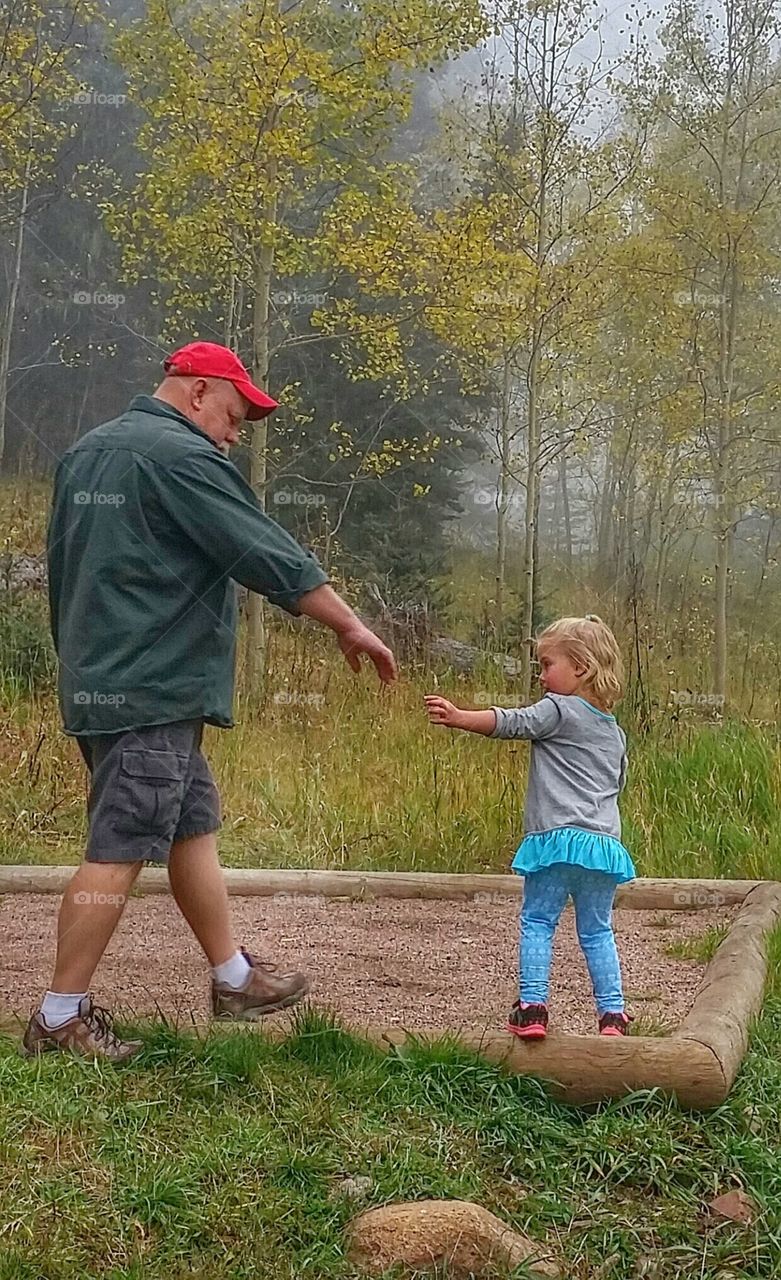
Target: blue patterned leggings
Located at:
point(545, 894)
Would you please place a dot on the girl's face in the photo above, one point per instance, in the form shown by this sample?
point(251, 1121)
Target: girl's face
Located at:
point(558, 673)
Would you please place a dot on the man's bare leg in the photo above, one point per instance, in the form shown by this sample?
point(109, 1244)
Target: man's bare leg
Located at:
point(90, 911)
point(198, 886)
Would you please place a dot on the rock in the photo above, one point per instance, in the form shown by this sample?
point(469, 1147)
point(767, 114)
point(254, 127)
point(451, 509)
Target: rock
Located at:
point(647, 1268)
point(735, 1205)
point(410, 629)
point(23, 572)
point(353, 1187)
point(428, 1233)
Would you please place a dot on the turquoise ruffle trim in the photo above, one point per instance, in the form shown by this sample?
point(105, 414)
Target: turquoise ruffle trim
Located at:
point(578, 847)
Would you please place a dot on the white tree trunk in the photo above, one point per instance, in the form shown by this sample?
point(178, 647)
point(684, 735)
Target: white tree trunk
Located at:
point(9, 311)
point(256, 652)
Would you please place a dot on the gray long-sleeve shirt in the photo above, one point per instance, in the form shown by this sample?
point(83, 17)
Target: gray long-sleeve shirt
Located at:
point(577, 767)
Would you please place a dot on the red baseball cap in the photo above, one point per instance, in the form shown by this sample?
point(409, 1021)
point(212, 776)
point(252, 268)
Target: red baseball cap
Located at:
point(210, 360)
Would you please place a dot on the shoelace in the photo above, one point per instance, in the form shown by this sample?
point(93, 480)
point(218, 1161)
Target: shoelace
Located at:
point(532, 1013)
point(616, 1019)
point(269, 965)
point(100, 1021)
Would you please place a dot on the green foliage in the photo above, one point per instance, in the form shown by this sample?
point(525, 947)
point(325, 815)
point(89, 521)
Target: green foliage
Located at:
point(39, 45)
point(708, 799)
point(27, 658)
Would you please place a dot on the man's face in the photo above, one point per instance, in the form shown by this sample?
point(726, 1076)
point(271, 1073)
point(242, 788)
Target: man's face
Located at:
point(215, 406)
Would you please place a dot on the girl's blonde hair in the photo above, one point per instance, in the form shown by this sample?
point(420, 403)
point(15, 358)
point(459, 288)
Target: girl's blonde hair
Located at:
point(590, 644)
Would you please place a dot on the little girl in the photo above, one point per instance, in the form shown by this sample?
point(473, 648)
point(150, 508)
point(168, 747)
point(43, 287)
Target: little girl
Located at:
point(572, 829)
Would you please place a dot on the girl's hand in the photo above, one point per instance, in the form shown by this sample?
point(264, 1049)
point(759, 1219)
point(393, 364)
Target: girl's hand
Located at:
point(440, 711)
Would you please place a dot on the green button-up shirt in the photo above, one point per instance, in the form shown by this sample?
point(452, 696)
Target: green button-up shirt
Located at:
point(151, 527)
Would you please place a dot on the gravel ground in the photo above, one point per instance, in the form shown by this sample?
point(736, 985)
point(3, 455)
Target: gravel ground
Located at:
point(406, 963)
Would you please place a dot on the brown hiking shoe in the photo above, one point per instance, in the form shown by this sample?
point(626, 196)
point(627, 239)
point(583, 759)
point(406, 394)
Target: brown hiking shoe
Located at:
point(89, 1034)
point(265, 991)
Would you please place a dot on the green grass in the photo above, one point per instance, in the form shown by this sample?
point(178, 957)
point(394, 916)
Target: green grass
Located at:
point(363, 781)
point(701, 949)
point(705, 801)
point(223, 1157)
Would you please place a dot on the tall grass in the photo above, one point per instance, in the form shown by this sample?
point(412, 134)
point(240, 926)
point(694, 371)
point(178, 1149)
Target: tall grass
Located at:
point(326, 769)
point(330, 770)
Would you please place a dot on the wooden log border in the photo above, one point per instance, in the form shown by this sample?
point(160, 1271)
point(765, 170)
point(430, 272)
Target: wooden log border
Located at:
point(697, 1063)
point(644, 894)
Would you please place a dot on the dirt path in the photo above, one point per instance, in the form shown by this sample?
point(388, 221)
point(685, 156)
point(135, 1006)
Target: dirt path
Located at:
point(405, 963)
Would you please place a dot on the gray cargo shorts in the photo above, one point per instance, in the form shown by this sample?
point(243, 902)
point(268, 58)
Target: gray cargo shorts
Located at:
point(149, 787)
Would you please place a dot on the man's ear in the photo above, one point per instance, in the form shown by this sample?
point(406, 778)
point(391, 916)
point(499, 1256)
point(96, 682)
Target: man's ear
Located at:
point(198, 390)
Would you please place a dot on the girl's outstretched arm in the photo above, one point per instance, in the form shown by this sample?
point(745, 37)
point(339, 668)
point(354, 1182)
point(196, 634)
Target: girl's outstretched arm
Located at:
point(440, 711)
point(539, 720)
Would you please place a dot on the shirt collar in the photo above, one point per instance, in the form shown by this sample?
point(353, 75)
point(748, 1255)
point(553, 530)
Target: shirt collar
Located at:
point(596, 710)
point(162, 409)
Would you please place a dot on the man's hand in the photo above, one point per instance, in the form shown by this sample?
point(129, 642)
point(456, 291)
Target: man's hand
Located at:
point(354, 637)
point(360, 639)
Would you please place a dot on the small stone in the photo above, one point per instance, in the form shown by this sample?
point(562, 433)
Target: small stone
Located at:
point(734, 1205)
point(648, 1268)
point(354, 1186)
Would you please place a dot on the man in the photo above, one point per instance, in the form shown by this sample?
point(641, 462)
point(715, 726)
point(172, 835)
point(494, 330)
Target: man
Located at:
point(150, 526)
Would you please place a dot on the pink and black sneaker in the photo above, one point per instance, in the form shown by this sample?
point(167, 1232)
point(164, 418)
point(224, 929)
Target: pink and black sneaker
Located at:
point(529, 1021)
point(615, 1024)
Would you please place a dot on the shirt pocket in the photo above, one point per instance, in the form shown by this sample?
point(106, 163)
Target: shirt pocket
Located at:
point(149, 791)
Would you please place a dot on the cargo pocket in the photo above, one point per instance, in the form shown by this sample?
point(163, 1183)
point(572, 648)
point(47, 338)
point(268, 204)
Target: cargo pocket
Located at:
point(150, 787)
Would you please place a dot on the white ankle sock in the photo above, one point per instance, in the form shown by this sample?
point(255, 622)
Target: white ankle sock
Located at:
point(57, 1008)
point(233, 973)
